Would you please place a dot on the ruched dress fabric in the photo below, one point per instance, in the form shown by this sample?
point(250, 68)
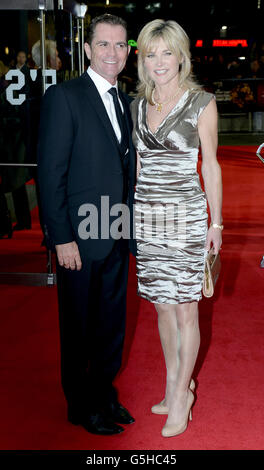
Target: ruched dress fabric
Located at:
point(170, 205)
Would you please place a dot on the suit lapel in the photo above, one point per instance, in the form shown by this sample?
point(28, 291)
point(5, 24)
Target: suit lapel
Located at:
point(99, 108)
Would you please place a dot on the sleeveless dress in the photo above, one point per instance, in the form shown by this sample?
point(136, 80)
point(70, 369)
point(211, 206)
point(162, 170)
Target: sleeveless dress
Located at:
point(170, 206)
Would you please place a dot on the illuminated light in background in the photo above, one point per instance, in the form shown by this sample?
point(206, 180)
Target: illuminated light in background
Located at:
point(132, 42)
point(224, 28)
point(242, 58)
point(153, 7)
point(199, 43)
point(136, 51)
point(130, 7)
point(107, 2)
point(6, 50)
point(230, 43)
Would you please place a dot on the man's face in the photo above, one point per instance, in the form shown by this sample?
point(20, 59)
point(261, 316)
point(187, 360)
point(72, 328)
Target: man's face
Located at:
point(108, 51)
point(21, 58)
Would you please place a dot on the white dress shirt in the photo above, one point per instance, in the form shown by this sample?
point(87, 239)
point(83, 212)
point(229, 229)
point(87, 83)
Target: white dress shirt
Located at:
point(103, 86)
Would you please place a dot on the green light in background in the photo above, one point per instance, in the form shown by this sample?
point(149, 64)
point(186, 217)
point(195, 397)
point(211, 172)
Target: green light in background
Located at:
point(132, 43)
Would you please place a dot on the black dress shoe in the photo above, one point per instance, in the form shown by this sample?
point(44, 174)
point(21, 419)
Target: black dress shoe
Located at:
point(119, 414)
point(96, 423)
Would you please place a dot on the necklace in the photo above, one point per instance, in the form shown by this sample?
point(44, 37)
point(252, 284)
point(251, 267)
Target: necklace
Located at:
point(159, 105)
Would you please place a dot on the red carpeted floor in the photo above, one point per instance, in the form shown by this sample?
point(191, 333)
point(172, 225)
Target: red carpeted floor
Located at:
point(228, 413)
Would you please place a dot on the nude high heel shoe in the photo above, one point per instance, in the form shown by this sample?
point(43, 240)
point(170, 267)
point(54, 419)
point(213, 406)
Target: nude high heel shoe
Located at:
point(161, 409)
point(171, 430)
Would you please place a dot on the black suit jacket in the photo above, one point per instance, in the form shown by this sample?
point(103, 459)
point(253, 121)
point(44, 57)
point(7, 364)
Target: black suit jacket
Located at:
point(79, 162)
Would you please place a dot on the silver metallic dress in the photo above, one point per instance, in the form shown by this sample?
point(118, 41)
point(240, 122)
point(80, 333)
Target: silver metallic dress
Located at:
point(171, 208)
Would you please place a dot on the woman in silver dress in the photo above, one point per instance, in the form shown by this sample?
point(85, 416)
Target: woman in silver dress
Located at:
point(172, 115)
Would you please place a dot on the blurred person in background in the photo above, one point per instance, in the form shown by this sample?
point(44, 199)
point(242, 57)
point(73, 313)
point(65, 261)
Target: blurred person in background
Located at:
point(21, 60)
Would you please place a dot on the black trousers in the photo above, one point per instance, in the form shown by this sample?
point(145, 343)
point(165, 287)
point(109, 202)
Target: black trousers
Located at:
point(92, 310)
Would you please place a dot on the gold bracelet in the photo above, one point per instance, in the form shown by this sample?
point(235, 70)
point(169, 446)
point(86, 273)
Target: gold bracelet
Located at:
point(217, 226)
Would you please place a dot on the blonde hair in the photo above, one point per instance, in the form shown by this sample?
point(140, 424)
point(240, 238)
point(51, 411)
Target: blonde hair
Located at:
point(178, 43)
point(51, 49)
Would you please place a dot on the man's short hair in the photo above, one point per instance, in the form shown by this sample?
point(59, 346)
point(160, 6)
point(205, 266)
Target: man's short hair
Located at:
point(105, 18)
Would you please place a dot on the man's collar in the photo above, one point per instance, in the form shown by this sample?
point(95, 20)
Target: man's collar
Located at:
point(100, 82)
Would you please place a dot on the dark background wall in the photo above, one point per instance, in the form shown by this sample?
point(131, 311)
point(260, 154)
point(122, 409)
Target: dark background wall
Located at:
point(201, 20)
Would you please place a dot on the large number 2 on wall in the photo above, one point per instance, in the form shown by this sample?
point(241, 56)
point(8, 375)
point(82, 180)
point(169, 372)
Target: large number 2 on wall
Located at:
point(21, 82)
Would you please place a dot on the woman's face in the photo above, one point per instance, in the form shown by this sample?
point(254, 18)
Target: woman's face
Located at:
point(161, 64)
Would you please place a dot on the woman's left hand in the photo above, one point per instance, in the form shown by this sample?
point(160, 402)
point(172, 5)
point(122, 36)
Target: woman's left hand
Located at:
point(214, 237)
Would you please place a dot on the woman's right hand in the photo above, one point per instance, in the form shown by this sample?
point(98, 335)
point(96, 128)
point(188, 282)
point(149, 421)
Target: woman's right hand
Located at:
point(214, 238)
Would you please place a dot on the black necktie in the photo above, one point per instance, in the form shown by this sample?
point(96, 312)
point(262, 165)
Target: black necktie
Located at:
point(120, 118)
point(124, 143)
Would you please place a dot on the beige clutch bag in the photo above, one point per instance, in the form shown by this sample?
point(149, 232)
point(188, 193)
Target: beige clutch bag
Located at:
point(211, 273)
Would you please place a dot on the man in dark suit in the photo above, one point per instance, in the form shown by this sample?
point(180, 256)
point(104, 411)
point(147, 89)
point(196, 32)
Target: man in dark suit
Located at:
point(86, 166)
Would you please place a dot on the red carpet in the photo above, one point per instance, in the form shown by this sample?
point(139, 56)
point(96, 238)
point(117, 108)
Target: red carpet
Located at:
point(228, 413)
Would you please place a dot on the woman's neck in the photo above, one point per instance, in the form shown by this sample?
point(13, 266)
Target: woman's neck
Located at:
point(164, 92)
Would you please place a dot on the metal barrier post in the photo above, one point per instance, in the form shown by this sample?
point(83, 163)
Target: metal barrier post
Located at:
point(80, 11)
point(258, 153)
point(72, 43)
point(42, 41)
point(35, 279)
